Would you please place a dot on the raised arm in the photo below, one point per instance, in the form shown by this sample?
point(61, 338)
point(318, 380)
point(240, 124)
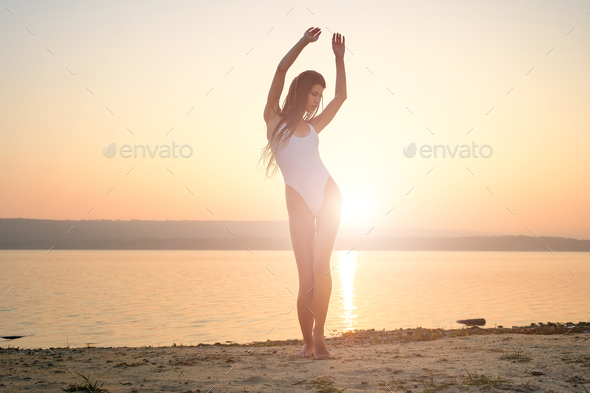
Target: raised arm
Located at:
point(338, 45)
point(324, 118)
point(276, 88)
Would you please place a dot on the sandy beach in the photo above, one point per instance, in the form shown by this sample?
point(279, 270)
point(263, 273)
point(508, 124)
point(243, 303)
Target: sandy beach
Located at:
point(547, 358)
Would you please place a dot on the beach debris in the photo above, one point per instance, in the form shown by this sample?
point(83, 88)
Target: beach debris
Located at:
point(517, 356)
point(475, 379)
point(323, 384)
point(472, 322)
point(85, 386)
point(12, 337)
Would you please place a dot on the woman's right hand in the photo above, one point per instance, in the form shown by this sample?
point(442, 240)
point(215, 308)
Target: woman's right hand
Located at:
point(312, 34)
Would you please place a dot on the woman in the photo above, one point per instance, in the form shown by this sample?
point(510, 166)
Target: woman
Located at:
point(314, 202)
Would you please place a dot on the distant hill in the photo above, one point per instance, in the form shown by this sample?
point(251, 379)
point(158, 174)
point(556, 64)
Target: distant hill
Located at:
point(22, 233)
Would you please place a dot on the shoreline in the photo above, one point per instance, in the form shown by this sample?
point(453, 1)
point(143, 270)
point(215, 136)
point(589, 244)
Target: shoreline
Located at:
point(552, 357)
point(402, 335)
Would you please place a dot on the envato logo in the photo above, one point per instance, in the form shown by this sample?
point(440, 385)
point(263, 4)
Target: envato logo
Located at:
point(125, 151)
point(465, 152)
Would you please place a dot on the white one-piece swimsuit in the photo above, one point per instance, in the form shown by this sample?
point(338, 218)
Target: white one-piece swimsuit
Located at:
point(303, 169)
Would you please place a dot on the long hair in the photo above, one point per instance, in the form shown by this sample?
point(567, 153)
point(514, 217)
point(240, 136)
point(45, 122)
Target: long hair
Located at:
point(291, 115)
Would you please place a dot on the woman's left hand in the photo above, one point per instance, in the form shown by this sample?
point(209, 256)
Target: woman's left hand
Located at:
point(338, 45)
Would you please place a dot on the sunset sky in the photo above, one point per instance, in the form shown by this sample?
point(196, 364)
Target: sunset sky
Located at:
point(78, 76)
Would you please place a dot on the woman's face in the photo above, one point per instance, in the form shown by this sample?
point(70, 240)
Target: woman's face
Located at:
point(313, 100)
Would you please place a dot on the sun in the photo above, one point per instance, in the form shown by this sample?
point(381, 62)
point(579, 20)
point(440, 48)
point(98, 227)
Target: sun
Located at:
point(357, 206)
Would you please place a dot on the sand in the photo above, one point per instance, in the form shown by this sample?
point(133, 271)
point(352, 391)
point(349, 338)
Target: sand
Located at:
point(542, 359)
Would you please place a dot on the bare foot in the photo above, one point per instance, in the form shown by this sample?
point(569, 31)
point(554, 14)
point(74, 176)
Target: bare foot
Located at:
point(306, 351)
point(321, 351)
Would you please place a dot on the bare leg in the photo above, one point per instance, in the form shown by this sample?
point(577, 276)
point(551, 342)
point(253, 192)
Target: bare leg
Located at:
point(327, 224)
point(302, 229)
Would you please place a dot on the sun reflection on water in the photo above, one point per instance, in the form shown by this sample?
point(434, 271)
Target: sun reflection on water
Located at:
point(346, 269)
